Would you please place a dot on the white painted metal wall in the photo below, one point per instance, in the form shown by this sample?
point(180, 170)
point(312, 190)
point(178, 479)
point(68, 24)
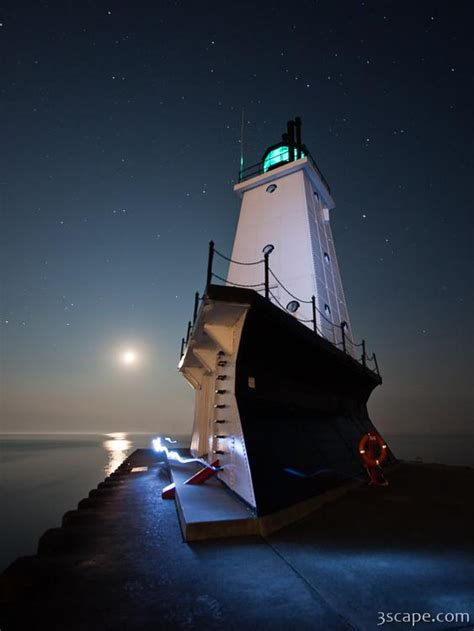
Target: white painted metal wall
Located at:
point(209, 365)
point(236, 471)
point(294, 218)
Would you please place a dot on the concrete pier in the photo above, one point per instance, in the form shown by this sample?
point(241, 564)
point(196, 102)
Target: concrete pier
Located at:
point(211, 510)
point(119, 561)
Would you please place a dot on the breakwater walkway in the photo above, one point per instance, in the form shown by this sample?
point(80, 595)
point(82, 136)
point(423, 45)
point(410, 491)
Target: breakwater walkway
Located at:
point(119, 562)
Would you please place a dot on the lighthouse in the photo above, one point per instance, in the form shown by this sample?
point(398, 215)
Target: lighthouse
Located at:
point(281, 388)
point(285, 211)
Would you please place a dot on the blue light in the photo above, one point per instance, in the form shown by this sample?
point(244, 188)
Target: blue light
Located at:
point(278, 155)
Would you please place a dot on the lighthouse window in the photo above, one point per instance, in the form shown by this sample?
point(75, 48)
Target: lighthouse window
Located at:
point(271, 188)
point(277, 156)
point(327, 260)
point(327, 310)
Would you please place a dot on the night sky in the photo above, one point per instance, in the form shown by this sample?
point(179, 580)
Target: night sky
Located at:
point(121, 144)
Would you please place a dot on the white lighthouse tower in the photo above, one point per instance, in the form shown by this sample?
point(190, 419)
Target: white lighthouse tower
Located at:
point(286, 204)
point(259, 376)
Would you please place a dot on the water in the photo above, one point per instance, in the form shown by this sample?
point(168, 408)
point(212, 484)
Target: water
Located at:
point(43, 476)
point(453, 449)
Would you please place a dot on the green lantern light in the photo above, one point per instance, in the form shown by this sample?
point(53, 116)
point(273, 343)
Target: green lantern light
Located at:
point(277, 156)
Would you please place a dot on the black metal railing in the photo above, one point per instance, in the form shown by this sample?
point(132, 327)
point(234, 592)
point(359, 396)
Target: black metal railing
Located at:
point(258, 169)
point(346, 344)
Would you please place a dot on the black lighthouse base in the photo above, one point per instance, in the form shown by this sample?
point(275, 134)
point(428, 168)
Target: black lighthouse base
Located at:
point(302, 404)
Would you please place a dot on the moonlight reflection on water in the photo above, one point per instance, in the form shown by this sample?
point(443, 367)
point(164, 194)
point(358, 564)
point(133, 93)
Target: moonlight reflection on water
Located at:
point(117, 447)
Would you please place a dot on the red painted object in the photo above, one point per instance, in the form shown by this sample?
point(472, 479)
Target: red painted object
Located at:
point(204, 474)
point(369, 444)
point(169, 492)
point(376, 476)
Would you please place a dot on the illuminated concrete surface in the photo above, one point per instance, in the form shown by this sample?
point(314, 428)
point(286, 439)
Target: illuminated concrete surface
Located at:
point(120, 562)
point(405, 548)
point(209, 510)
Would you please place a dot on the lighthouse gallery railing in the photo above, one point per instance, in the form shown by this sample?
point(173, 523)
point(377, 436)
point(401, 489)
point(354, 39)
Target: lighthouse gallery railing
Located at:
point(369, 362)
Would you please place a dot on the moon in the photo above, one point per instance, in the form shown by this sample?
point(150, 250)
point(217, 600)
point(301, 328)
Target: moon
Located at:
point(129, 357)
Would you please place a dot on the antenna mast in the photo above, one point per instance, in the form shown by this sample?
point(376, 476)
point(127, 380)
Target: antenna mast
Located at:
point(242, 143)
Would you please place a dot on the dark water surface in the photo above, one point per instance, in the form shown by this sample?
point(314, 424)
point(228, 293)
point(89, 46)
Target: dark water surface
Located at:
point(43, 476)
point(454, 449)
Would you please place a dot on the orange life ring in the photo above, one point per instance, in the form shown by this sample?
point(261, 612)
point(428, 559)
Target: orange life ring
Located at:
point(369, 445)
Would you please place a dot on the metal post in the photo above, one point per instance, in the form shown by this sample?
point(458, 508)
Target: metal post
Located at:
point(209, 264)
point(343, 333)
point(376, 364)
point(298, 137)
point(189, 332)
point(196, 305)
point(266, 256)
point(291, 140)
point(313, 305)
point(242, 122)
point(182, 347)
point(364, 356)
